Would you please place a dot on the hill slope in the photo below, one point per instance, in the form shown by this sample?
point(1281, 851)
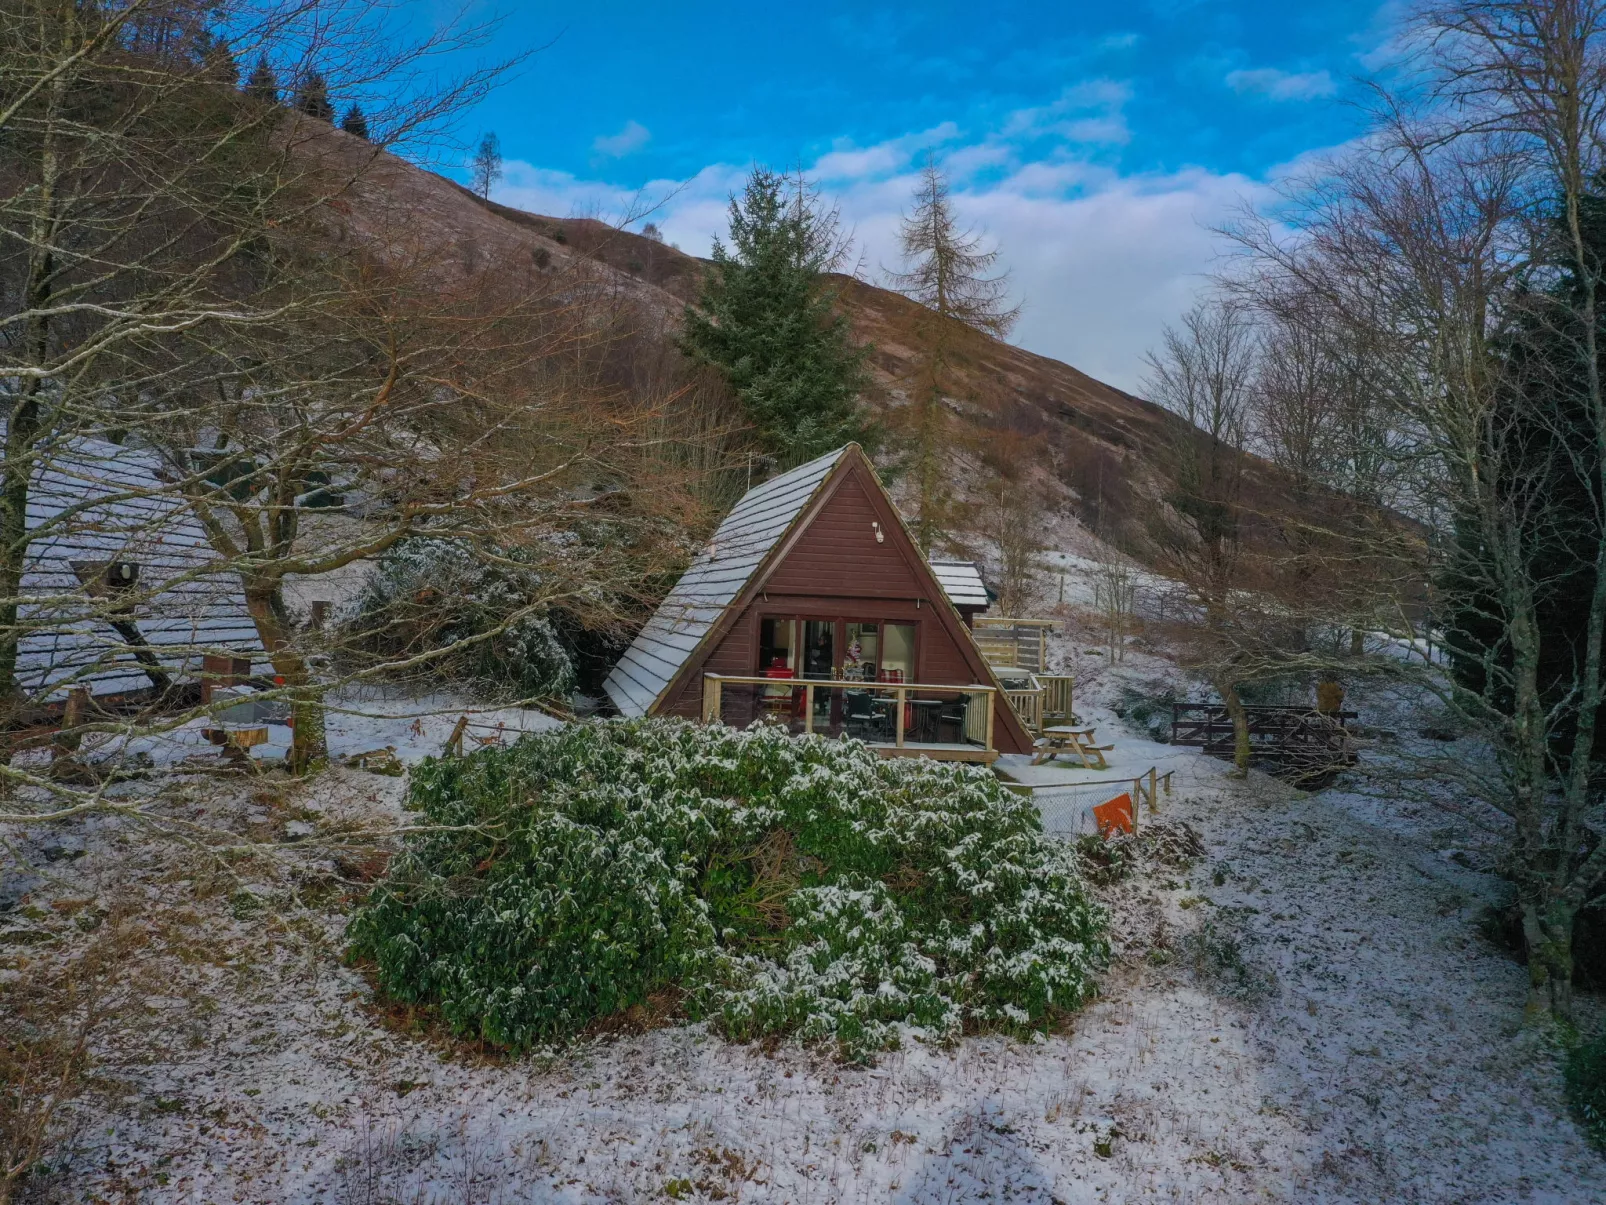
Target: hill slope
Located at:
point(1106, 449)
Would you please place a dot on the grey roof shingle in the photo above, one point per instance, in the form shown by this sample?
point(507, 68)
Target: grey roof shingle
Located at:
point(714, 580)
point(92, 501)
point(961, 582)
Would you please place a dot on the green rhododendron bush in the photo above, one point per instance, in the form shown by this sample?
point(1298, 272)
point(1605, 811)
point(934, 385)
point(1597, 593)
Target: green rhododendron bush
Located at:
point(783, 885)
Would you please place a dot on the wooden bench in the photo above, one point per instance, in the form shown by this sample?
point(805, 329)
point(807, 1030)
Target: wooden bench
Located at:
point(1079, 741)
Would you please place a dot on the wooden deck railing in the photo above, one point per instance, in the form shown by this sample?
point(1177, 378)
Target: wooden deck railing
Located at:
point(980, 707)
point(1028, 704)
point(1047, 701)
point(1057, 697)
point(1013, 643)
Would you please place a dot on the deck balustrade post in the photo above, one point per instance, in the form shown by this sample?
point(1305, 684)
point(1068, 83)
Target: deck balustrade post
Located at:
point(808, 709)
point(992, 699)
point(902, 694)
point(713, 689)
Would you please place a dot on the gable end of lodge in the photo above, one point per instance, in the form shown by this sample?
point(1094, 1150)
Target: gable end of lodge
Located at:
point(811, 607)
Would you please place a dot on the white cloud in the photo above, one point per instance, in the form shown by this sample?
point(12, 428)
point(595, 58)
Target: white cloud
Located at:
point(1282, 85)
point(848, 162)
point(1089, 112)
point(1101, 260)
point(632, 138)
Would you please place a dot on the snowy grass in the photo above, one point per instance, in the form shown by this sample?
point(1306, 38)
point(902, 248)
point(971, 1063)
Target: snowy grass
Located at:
point(1382, 1059)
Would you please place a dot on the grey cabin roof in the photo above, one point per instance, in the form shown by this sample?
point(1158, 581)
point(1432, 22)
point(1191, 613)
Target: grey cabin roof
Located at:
point(712, 583)
point(95, 502)
point(717, 577)
point(961, 582)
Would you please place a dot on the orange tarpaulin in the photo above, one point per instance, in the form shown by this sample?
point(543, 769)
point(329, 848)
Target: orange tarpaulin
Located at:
point(1115, 816)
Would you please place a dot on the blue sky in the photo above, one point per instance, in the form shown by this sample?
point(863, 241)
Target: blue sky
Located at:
point(1097, 144)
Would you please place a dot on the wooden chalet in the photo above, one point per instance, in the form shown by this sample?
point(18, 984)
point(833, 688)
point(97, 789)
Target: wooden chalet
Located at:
point(812, 608)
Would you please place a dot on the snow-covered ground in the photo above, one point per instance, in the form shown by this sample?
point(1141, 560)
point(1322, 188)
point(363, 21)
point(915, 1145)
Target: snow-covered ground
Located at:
point(1305, 1014)
point(411, 724)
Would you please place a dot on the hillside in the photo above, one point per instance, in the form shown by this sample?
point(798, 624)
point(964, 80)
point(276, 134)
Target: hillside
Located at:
point(1107, 449)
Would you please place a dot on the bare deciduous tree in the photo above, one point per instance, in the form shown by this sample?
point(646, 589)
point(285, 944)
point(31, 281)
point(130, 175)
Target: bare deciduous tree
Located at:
point(1204, 373)
point(1459, 250)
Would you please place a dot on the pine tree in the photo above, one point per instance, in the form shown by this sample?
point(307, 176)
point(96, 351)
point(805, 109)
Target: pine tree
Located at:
point(216, 59)
point(355, 123)
point(487, 169)
point(263, 85)
point(312, 97)
point(766, 320)
point(946, 272)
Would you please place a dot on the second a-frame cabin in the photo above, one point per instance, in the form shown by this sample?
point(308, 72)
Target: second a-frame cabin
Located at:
point(812, 608)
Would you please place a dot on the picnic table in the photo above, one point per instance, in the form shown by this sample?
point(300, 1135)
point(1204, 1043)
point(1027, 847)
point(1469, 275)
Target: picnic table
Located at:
point(1068, 740)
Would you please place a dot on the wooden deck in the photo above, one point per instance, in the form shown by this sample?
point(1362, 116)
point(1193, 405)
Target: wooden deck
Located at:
point(804, 705)
point(965, 753)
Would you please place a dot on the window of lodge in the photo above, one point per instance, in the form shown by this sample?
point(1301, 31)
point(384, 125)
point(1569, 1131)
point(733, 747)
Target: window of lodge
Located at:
point(852, 650)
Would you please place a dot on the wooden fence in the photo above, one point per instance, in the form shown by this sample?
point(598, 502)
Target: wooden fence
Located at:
point(1298, 737)
point(1066, 808)
point(1013, 643)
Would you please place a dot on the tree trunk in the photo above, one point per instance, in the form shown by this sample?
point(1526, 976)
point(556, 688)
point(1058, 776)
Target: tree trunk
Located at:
point(1547, 931)
point(309, 746)
point(1240, 725)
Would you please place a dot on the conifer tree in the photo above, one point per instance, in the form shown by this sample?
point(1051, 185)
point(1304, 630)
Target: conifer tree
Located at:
point(263, 85)
point(766, 320)
point(947, 272)
point(355, 122)
point(487, 168)
point(312, 97)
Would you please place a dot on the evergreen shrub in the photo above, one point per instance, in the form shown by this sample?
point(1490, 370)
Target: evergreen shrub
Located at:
point(1585, 1075)
point(438, 596)
point(782, 885)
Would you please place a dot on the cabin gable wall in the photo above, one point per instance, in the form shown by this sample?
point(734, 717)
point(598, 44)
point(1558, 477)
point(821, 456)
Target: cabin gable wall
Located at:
point(836, 568)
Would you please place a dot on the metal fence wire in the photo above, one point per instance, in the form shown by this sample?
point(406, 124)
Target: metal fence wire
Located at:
point(1068, 811)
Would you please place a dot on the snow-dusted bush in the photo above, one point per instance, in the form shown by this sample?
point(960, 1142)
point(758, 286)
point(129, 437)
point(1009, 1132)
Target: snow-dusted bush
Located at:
point(782, 884)
point(437, 595)
point(1585, 1073)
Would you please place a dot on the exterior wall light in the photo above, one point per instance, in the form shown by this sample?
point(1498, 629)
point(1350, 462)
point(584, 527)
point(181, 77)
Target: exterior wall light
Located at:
point(880, 536)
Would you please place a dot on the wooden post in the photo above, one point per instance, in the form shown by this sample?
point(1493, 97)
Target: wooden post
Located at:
point(1154, 801)
point(72, 716)
point(454, 743)
point(899, 706)
point(992, 700)
point(712, 689)
point(808, 709)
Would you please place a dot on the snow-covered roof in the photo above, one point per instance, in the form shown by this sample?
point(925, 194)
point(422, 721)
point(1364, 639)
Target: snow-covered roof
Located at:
point(961, 582)
point(714, 580)
point(93, 502)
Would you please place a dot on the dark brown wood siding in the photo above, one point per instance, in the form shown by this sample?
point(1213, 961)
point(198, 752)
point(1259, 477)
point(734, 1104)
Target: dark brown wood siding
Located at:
point(835, 568)
point(837, 554)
